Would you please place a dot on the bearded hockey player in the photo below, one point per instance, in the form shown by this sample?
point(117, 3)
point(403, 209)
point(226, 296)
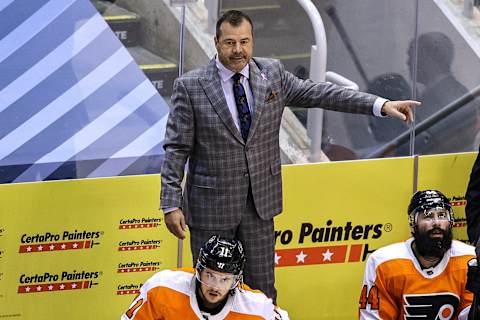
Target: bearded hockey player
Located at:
point(424, 277)
point(214, 290)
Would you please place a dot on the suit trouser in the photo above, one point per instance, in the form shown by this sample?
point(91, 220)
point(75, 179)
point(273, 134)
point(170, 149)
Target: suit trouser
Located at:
point(258, 239)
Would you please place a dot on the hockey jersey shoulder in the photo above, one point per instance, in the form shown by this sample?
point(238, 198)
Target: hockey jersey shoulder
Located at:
point(390, 252)
point(175, 279)
point(461, 249)
point(254, 303)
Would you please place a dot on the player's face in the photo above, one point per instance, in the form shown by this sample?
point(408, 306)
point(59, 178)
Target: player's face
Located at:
point(433, 235)
point(215, 285)
point(435, 222)
point(235, 45)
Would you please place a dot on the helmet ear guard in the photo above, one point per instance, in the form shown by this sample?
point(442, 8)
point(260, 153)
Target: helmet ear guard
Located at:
point(425, 200)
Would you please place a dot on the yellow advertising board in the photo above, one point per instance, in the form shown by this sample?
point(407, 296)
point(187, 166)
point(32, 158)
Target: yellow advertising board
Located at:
point(79, 249)
point(82, 248)
point(449, 173)
point(334, 215)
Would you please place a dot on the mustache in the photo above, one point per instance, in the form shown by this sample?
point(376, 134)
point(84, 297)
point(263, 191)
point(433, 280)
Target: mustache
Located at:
point(444, 232)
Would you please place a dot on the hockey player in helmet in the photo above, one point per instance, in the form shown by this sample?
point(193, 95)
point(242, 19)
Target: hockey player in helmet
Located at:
point(431, 220)
point(424, 277)
point(214, 290)
point(218, 271)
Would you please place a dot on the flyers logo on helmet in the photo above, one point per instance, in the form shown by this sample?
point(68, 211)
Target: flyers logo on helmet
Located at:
point(435, 306)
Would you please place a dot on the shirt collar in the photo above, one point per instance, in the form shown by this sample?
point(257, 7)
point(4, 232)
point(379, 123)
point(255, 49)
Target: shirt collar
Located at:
point(226, 74)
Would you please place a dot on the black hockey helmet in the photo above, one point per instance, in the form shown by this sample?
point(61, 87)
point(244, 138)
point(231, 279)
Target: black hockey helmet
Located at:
point(223, 255)
point(426, 200)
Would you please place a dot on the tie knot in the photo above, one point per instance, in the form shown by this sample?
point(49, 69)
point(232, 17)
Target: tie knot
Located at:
point(236, 78)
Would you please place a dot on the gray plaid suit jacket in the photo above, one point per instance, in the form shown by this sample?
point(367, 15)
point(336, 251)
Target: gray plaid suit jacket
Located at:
point(221, 166)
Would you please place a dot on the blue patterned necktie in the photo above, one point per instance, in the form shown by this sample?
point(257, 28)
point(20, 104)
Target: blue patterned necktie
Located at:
point(242, 106)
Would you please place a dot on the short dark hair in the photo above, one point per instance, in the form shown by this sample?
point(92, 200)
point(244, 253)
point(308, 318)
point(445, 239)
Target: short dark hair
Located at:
point(233, 17)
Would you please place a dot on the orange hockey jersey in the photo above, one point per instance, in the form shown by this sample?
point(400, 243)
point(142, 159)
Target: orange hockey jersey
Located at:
point(170, 295)
point(396, 287)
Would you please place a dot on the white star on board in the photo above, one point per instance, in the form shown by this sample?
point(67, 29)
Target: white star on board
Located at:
point(327, 255)
point(301, 257)
point(277, 258)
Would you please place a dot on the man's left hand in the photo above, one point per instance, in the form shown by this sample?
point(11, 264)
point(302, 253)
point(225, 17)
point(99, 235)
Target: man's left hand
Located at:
point(400, 109)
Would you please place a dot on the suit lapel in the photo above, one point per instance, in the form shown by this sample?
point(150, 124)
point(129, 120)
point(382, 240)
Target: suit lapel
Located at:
point(213, 89)
point(259, 86)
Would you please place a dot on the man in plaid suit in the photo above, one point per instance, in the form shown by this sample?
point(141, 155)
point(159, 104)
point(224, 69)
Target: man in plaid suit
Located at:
point(225, 121)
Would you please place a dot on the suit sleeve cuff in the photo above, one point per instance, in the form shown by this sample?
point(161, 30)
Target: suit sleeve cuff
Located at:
point(377, 107)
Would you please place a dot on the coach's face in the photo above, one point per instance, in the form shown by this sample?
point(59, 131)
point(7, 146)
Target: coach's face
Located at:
point(235, 45)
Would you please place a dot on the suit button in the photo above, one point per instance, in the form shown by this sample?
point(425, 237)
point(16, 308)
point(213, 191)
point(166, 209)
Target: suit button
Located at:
point(245, 174)
point(246, 149)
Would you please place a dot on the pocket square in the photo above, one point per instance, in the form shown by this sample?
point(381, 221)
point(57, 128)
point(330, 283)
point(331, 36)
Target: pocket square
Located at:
point(272, 96)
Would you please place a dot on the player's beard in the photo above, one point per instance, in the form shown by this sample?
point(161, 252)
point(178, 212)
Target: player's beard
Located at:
point(429, 247)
